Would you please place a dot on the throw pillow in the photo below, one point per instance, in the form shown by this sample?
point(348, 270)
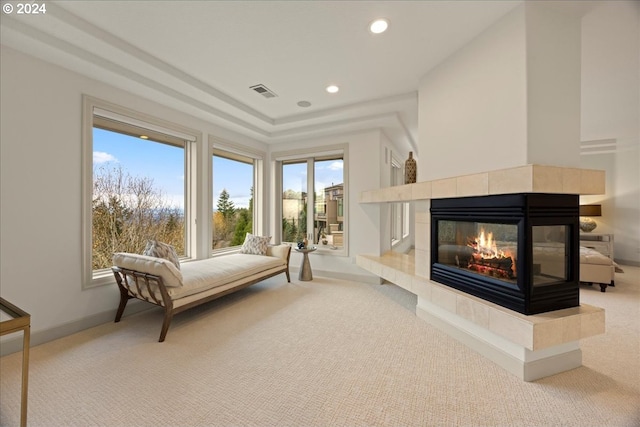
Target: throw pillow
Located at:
point(162, 250)
point(255, 245)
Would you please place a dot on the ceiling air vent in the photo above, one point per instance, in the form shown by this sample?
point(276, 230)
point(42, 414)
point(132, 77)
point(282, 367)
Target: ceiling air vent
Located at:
point(264, 91)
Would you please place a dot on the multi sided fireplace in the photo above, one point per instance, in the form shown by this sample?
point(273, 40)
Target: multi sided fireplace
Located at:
point(516, 250)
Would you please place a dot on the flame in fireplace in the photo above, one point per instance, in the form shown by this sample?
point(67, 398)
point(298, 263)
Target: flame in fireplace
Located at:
point(486, 246)
point(486, 252)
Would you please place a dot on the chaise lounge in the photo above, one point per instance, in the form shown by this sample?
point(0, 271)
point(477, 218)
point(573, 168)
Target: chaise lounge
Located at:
point(160, 282)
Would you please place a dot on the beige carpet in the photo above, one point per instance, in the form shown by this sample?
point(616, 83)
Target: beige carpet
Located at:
point(321, 353)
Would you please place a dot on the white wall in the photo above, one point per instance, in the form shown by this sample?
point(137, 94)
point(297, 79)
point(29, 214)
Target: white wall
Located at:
point(553, 83)
point(515, 104)
point(611, 110)
point(472, 107)
point(40, 212)
point(510, 97)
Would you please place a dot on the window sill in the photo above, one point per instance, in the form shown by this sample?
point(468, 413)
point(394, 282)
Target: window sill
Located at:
point(101, 278)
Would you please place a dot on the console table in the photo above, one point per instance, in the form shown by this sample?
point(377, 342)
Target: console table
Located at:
point(13, 320)
point(602, 243)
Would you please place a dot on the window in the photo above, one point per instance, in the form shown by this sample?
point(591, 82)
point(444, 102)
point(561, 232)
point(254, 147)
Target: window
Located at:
point(313, 199)
point(234, 185)
point(328, 214)
point(136, 186)
point(399, 211)
point(294, 201)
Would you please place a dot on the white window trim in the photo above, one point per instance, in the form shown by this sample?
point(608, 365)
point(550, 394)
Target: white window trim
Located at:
point(305, 154)
point(91, 106)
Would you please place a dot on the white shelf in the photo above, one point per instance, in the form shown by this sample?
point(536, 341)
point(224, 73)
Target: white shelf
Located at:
point(523, 179)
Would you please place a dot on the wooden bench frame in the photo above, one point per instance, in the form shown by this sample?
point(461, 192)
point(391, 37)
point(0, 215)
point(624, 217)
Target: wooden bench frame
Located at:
point(143, 286)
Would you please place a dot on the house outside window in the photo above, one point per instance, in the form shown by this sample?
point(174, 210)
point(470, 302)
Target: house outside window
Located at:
point(313, 198)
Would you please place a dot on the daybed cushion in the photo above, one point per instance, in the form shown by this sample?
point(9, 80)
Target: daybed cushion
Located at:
point(152, 265)
point(255, 245)
point(213, 272)
point(162, 250)
point(198, 276)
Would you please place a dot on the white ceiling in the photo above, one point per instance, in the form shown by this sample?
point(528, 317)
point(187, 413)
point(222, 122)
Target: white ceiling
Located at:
point(201, 57)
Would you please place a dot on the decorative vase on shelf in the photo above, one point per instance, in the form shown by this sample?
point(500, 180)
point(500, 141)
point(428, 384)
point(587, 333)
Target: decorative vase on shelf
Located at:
point(410, 169)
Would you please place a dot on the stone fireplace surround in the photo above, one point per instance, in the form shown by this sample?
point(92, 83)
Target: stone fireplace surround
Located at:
point(530, 347)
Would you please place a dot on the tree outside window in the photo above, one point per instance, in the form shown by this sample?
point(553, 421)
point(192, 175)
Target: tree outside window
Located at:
point(233, 199)
point(133, 198)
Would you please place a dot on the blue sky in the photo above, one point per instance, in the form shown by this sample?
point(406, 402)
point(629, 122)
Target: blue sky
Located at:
point(161, 162)
point(327, 173)
point(236, 178)
point(165, 165)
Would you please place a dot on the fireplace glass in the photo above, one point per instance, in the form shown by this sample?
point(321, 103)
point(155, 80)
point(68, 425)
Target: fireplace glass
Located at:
point(550, 257)
point(491, 250)
point(480, 247)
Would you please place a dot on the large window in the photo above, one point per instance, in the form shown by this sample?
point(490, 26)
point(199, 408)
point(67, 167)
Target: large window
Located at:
point(313, 199)
point(234, 177)
point(138, 194)
point(137, 177)
point(294, 201)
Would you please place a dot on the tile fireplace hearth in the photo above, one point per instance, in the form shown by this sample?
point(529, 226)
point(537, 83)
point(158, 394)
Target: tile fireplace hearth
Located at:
point(529, 346)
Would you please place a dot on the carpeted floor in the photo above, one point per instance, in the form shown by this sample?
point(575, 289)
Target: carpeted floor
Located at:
point(321, 353)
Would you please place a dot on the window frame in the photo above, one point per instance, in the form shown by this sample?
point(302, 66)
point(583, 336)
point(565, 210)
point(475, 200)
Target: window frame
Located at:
point(94, 278)
point(400, 211)
point(230, 150)
point(310, 155)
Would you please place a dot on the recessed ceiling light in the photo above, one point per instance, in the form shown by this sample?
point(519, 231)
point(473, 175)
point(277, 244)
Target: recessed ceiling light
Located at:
point(379, 26)
point(304, 104)
point(144, 137)
point(332, 89)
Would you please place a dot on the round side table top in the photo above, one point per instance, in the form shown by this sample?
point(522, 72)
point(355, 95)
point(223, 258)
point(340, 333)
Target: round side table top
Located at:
point(306, 250)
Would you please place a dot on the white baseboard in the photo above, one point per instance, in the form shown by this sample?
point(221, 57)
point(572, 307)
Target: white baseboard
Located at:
point(14, 344)
point(624, 262)
point(362, 278)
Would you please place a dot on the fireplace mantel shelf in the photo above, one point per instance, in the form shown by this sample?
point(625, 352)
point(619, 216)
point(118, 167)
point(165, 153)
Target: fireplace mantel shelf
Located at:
point(523, 179)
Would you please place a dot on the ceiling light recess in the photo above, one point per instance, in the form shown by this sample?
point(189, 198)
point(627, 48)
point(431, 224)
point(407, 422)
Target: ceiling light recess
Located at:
point(332, 89)
point(379, 26)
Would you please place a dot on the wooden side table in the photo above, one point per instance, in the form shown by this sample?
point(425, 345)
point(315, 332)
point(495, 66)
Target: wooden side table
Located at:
point(305, 273)
point(18, 320)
